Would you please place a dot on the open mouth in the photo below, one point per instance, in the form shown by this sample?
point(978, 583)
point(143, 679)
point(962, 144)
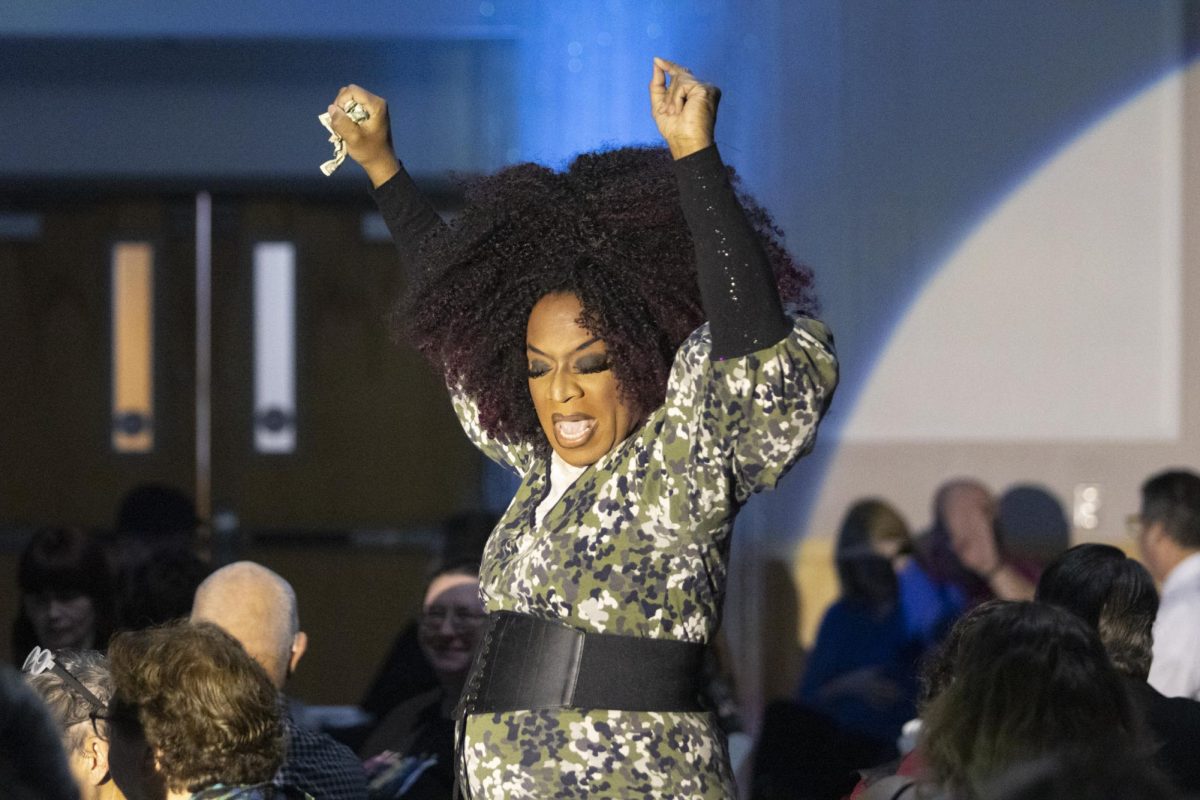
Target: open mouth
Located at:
point(573, 430)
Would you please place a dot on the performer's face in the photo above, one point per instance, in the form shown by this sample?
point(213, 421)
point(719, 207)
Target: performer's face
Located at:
point(572, 384)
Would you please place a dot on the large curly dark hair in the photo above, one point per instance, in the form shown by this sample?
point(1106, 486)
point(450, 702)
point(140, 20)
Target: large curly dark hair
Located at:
point(609, 230)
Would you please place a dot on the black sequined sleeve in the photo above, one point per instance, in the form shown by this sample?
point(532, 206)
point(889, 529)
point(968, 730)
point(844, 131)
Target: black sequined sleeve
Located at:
point(409, 215)
point(736, 284)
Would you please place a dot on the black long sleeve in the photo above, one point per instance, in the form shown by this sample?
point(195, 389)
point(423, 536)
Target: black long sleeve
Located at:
point(409, 215)
point(737, 286)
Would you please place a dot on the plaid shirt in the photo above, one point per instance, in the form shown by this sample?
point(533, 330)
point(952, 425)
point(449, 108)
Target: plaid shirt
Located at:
point(315, 763)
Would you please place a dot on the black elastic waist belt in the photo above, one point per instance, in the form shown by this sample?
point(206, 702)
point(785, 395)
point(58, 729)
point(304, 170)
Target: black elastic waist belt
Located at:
point(528, 663)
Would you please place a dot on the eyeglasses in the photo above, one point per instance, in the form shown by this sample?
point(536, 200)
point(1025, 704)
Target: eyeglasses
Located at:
point(462, 621)
point(42, 660)
point(1134, 526)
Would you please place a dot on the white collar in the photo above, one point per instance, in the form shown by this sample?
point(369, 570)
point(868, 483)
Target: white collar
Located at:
point(1185, 572)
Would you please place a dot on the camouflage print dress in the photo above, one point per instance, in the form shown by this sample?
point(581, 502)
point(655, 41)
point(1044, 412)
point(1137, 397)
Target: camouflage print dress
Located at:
point(638, 545)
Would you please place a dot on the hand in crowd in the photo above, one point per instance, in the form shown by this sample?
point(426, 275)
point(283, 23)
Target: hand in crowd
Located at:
point(685, 110)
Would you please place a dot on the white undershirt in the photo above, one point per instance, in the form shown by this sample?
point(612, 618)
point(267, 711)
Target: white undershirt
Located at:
point(562, 475)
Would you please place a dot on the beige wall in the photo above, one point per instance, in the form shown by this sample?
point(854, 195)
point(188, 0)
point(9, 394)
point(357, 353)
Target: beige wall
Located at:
point(907, 472)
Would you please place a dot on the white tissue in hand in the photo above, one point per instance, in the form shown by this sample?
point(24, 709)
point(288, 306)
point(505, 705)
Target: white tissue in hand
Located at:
point(354, 111)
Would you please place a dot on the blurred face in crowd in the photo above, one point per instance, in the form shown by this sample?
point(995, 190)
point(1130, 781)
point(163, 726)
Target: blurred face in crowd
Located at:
point(61, 619)
point(451, 620)
point(970, 514)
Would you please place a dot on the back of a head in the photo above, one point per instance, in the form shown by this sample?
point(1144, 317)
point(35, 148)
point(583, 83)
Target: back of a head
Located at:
point(257, 607)
point(32, 763)
point(210, 710)
point(67, 706)
point(937, 670)
point(1112, 593)
point(1032, 523)
point(156, 510)
point(1173, 499)
point(1029, 678)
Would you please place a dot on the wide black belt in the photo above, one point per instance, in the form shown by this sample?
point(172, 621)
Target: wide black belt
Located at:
point(526, 663)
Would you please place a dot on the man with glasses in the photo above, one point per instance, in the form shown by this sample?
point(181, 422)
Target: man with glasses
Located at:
point(1168, 531)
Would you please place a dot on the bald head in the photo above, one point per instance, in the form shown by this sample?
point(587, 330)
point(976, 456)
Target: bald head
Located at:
point(258, 608)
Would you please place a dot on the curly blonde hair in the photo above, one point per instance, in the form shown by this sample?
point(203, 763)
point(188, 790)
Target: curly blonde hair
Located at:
point(207, 708)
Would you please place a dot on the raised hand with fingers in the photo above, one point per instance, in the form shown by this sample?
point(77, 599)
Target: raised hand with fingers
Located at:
point(685, 109)
point(369, 142)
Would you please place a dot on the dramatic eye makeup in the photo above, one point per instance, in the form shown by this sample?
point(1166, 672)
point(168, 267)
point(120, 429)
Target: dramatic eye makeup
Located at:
point(593, 363)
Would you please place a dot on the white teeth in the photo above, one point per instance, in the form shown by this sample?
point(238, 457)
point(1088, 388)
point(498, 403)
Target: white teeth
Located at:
point(573, 429)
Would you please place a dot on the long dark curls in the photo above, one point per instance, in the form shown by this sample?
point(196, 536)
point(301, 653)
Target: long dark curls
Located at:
point(609, 230)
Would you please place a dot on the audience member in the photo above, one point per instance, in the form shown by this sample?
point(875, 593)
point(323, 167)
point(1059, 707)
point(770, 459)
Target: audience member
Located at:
point(937, 672)
point(862, 671)
point(192, 716)
point(1169, 535)
point(964, 549)
point(405, 672)
point(154, 556)
point(258, 608)
point(32, 763)
point(66, 592)
point(76, 688)
point(160, 589)
point(1033, 524)
point(411, 752)
point(1115, 595)
point(1029, 679)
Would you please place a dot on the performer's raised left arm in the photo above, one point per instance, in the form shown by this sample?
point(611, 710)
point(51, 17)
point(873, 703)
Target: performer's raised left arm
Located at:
point(737, 286)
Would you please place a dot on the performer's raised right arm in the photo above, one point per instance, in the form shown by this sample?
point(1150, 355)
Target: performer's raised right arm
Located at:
point(409, 215)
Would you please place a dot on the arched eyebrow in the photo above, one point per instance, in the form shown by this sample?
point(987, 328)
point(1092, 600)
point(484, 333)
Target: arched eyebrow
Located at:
point(583, 346)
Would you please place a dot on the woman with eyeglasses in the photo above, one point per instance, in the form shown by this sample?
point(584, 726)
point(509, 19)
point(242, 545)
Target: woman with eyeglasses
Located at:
point(76, 687)
point(410, 754)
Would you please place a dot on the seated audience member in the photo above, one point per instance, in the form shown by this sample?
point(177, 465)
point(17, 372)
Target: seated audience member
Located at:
point(862, 671)
point(1029, 680)
point(859, 682)
point(66, 592)
point(964, 550)
point(76, 688)
point(154, 557)
point(160, 589)
point(32, 763)
point(1033, 525)
point(411, 752)
point(193, 717)
point(1169, 536)
point(405, 672)
point(258, 608)
point(1115, 595)
point(937, 672)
